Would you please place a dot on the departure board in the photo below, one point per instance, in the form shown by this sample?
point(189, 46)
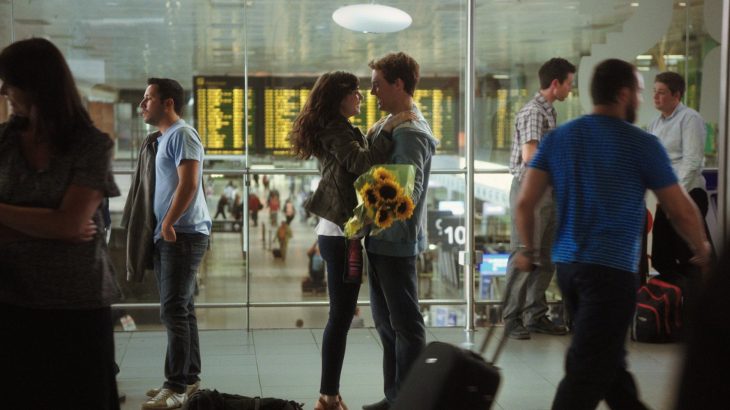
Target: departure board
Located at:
point(281, 107)
point(219, 112)
point(438, 107)
point(275, 102)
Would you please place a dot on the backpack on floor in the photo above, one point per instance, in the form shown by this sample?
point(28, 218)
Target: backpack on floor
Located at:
point(206, 399)
point(658, 316)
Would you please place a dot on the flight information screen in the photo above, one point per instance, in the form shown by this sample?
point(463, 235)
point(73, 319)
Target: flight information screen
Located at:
point(219, 111)
point(275, 102)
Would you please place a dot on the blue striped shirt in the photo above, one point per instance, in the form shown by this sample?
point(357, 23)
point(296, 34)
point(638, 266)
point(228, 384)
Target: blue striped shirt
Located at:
point(600, 168)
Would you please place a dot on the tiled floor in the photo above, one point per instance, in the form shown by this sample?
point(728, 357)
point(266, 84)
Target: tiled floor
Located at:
point(286, 363)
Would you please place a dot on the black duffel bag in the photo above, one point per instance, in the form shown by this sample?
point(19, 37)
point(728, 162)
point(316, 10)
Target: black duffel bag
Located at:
point(206, 399)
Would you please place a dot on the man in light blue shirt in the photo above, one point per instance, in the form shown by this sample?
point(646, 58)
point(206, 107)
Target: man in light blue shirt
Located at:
point(180, 236)
point(682, 132)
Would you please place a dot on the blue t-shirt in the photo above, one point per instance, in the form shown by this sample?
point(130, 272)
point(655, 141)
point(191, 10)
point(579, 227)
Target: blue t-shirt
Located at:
point(179, 142)
point(600, 168)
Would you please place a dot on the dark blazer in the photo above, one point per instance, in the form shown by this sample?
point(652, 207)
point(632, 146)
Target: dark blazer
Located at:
point(346, 156)
point(138, 219)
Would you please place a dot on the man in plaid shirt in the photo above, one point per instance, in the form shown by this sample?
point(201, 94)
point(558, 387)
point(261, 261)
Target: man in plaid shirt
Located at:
point(532, 123)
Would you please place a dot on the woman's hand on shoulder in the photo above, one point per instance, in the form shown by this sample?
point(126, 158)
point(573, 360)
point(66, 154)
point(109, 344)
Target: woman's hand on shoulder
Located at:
point(374, 128)
point(398, 119)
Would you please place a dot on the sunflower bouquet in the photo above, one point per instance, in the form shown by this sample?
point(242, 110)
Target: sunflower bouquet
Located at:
point(384, 196)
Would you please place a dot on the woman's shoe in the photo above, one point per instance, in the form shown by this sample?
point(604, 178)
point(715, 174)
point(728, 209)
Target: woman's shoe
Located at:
point(337, 405)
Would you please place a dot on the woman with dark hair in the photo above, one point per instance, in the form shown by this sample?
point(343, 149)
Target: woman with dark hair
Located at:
point(322, 130)
point(57, 279)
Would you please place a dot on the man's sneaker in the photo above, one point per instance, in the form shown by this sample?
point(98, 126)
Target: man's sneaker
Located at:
point(165, 399)
point(192, 388)
point(545, 325)
point(515, 330)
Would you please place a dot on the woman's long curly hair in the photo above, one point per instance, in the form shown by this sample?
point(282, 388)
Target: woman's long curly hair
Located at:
point(322, 106)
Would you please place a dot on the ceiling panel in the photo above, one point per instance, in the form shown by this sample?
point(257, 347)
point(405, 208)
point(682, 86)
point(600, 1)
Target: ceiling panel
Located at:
point(135, 39)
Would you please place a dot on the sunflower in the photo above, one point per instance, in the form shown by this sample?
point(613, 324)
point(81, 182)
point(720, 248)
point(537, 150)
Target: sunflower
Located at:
point(384, 218)
point(388, 191)
point(404, 208)
point(369, 195)
point(382, 174)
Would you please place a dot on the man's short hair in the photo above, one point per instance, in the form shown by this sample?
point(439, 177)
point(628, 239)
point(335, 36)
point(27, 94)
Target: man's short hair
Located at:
point(554, 69)
point(609, 77)
point(673, 81)
point(398, 65)
point(168, 88)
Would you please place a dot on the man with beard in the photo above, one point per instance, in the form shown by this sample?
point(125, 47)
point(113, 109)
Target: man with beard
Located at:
point(600, 166)
point(180, 237)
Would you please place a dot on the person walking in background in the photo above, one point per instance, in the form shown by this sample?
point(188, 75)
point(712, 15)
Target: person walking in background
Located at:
point(392, 253)
point(221, 207)
point(274, 204)
point(57, 344)
point(283, 235)
point(180, 237)
point(254, 206)
point(289, 210)
point(533, 121)
point(322, 130)
point(600, 166)
point(682, 132)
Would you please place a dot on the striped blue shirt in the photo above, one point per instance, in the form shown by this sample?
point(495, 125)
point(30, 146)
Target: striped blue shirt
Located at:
point(600, 168)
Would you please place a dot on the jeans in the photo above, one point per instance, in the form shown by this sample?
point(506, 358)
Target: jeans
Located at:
point(601, 301)
point(176, 264)
point(343, 301)
point(398, 320)
point(528, 291)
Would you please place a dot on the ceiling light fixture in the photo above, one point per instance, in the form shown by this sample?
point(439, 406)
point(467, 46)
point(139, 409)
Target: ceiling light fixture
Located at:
point(372, 18)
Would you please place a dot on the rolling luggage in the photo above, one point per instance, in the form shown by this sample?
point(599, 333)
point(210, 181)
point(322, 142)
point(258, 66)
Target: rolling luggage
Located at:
point(447, 377)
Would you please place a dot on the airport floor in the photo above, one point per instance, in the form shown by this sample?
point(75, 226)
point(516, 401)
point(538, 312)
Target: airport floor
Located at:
point(276, 359)
point(285, 363)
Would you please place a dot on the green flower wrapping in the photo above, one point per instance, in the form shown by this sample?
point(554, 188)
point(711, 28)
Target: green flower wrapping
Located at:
point(384, 197)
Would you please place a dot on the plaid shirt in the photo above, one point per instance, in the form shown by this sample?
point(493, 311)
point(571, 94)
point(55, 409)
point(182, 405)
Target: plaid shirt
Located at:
point(532, 122)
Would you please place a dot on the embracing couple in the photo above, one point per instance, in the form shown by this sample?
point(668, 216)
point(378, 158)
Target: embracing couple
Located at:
point(322, 130)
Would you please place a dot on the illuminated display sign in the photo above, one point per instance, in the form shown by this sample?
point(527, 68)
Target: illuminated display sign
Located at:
point(274, 103)
point(219, 112)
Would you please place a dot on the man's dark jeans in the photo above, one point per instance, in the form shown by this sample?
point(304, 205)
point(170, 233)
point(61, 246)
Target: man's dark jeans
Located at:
point(343, 300)
point(176, 264)
point(398, 320)
point(601, 301)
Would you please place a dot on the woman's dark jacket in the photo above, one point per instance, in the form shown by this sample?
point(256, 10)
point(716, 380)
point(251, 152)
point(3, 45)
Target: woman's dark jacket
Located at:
point(346, 155)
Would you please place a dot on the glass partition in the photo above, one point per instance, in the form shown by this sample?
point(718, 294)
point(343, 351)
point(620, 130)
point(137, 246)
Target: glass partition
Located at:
point(247, 67)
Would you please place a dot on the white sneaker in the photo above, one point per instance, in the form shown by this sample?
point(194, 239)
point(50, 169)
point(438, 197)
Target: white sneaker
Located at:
point(192, 388)
point(165, 399)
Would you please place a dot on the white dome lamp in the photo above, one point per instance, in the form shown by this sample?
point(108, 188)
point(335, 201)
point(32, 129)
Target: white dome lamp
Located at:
point(372, 18)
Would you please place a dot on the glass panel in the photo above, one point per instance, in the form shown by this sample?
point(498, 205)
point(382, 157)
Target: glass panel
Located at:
point(290, 55)
point(113, 46)
point(512, 42)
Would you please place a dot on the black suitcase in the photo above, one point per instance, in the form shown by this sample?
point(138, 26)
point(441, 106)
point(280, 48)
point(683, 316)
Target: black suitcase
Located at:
point(446, 377)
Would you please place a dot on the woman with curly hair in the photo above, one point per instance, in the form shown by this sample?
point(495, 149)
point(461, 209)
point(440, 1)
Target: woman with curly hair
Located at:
point(322, 130)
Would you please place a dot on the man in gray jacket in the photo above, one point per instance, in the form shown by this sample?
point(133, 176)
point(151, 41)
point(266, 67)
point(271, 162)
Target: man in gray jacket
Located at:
point(392, 253)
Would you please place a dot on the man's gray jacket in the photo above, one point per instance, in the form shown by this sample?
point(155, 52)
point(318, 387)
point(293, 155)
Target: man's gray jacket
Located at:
point(138, 219)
